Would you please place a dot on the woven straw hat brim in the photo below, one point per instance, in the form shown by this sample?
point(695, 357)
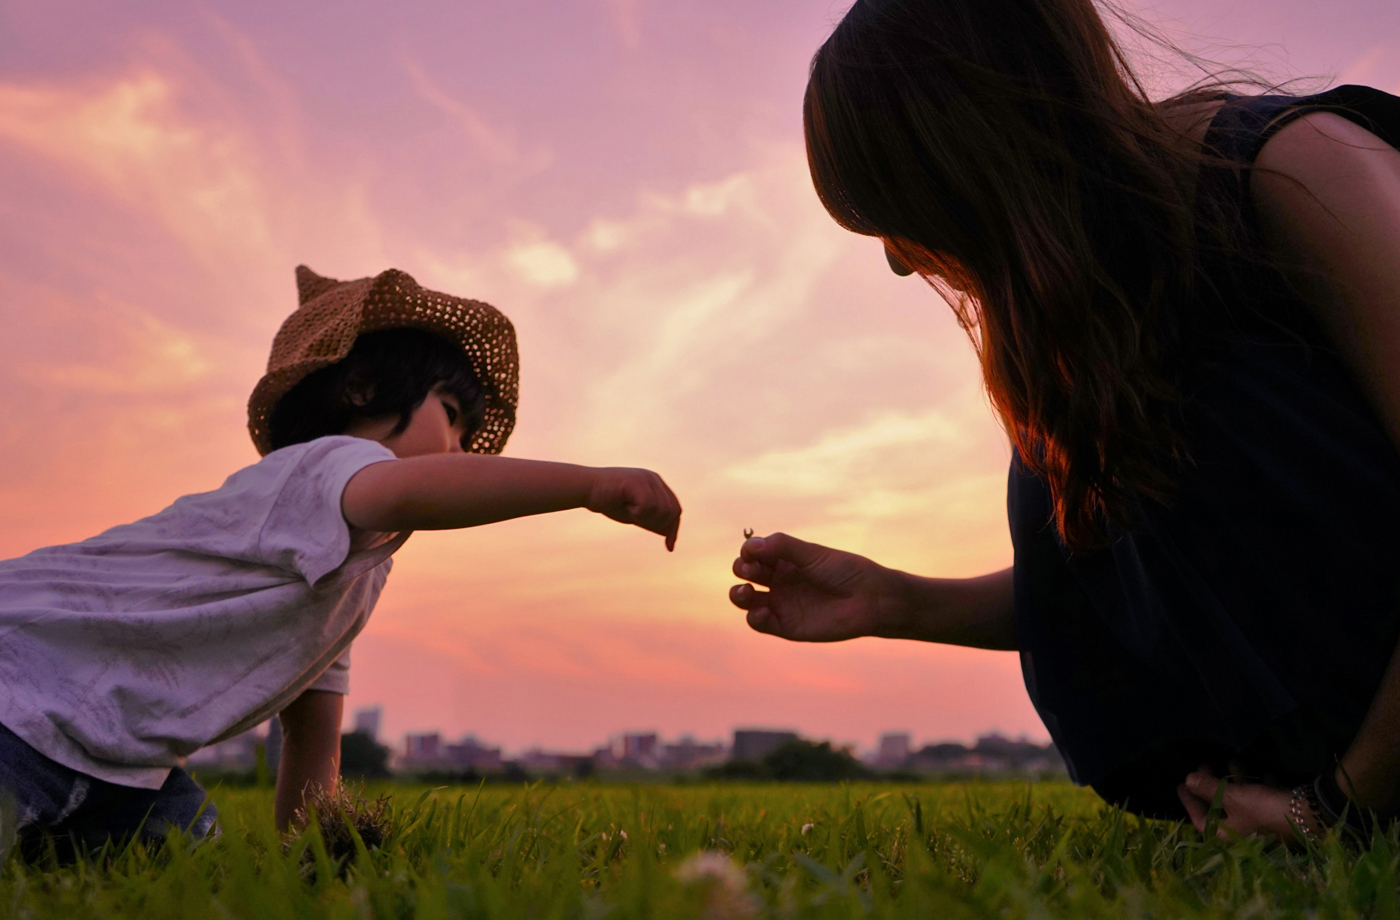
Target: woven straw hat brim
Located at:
point(333, 314)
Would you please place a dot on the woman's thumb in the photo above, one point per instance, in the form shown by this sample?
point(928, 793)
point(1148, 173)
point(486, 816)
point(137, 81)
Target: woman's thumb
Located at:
point(779, 547)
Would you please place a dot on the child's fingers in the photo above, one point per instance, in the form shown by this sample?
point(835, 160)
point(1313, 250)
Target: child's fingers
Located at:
point(651, 506)
point(660, 510)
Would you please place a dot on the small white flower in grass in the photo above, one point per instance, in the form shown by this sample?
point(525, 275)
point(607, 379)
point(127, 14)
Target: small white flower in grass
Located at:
point(728, 896)
point(806, 829)
point(622, 834)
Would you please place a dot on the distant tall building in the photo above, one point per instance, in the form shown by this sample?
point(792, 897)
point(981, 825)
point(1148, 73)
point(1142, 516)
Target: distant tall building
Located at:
point(424, 748)
point(640, 748)
point(758, 743)
point(367, 720)
point(893, 750)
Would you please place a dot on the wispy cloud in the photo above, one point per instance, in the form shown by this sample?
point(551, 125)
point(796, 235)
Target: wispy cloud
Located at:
point(142, 354)
point(498, 145)
point(626, 19)
point(130, 137)
point(825, 468)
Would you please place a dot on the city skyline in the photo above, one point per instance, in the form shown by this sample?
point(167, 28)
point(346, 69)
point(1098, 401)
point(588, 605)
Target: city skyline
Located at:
point(626, 180)
point(432, 753)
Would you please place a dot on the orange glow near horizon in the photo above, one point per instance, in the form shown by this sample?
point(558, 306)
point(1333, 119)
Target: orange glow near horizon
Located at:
point(625, 179)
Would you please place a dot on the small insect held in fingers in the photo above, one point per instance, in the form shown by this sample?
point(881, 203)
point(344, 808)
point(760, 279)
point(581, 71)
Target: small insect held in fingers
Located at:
point(748, 533)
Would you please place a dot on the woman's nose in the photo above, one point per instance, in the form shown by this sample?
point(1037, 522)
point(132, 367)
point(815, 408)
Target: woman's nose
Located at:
point(898, 267)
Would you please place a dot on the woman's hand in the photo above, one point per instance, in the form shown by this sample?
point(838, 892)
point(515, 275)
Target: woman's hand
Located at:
point(1248, 809)
point(637, 497)
point(815, 594)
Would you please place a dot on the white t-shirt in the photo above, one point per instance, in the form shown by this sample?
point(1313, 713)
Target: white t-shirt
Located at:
point(125, 652)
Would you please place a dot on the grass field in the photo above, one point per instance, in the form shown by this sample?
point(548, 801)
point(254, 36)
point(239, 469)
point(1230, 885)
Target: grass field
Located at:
point(597, 851)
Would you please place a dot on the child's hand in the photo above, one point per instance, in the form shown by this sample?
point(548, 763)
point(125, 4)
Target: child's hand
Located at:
point(815, 594)
point(636, 497)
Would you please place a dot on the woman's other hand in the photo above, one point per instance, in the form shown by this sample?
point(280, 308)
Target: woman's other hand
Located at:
point(815, 594)
point(1247, 809)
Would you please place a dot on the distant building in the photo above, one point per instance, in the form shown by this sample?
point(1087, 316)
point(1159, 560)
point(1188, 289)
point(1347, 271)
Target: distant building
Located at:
point(553, 763)
point(367, 720)
point(471, 754)
point(640, 748)
point(422, 749)
point(687, 754)
point(237, 753)
point(992, 753)
point(758, 743)
point(1019, 754)
point(893, 750)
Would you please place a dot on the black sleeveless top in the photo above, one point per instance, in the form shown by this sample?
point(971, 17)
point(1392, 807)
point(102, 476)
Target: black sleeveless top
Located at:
point(1248, 624)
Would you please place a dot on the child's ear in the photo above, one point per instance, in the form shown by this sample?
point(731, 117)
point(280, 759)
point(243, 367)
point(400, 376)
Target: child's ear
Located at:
point(361, 397)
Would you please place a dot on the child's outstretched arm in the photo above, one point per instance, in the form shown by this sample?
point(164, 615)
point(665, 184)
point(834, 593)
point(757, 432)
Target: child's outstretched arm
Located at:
point(448, 491)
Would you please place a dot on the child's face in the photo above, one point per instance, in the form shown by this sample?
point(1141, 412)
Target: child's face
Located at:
point(436, 427)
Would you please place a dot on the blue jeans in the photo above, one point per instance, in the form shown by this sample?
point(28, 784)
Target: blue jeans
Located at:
point(76, 813)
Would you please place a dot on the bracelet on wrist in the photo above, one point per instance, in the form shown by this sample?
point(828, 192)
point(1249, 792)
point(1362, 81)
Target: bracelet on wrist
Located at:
point(1304, 809)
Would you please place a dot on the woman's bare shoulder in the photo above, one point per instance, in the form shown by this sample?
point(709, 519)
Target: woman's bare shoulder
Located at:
point(1327, 192)
point(1322, 141)
point(1323, 178)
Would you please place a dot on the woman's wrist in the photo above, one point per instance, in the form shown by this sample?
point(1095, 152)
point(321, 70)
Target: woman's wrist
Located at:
point(894, 603)
point(1351, 780)
point(976, 612)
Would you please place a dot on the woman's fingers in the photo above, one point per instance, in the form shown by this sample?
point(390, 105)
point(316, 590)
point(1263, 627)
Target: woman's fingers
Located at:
point(760, 616)
point(754, 572)
point(1203, 784)
point(761, 619)
point(1196, 807)
point(745, 597)
point(779, 547)
point(1201, 789)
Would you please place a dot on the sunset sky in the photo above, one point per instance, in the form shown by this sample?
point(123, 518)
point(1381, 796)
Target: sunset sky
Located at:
point(624, 179)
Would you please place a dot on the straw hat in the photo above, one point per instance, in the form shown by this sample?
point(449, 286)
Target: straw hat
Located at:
point(332, 314)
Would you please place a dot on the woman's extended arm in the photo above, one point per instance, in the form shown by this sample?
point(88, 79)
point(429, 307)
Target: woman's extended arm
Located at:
point(447, 491)
point(1328, 197)
point(310, 750)
point(817, 594)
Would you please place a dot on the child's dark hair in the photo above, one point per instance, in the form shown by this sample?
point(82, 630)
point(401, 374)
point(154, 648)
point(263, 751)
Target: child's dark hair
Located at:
point(389, 372)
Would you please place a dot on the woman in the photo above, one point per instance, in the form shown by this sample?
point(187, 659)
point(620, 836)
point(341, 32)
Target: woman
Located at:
point(1188, 318)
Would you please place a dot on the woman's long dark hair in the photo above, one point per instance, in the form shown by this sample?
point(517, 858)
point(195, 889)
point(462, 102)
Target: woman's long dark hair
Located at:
point(1005, 151)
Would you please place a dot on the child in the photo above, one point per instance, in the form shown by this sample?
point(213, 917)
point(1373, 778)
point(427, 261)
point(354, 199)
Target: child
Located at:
point(382, 406)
